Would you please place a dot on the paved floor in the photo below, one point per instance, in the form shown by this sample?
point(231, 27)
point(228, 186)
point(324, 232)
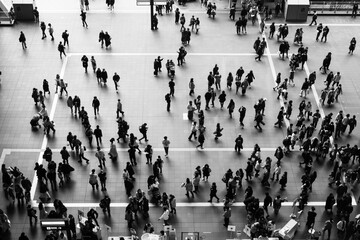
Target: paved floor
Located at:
point(133, 49)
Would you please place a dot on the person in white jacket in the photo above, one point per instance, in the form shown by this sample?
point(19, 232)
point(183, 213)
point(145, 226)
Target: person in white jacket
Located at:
point(165, 216)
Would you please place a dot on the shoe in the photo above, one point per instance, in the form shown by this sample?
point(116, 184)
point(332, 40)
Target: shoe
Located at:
point(210, 201)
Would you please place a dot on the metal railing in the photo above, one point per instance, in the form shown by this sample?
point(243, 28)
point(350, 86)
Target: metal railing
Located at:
point(332, 6)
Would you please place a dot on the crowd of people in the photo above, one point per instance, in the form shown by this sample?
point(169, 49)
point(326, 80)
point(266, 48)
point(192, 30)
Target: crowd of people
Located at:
point(313, 139)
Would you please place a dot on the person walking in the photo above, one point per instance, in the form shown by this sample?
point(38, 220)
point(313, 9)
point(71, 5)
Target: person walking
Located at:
point(22, 39)
point(116, 79)
point(193, 131)
point(82, 150)
point(314, 18)
point(166, 144)
point(213, 191)
point(143, 130)
point(231, 107)
point(51, 31)
point(100, 155)
point(165, 216)
point(96, 105)
point(201, 140)
point(119, 109)
point(83, 19)
point(327, 228)
point(218, 131)
point(61, 49)
point(189, 187)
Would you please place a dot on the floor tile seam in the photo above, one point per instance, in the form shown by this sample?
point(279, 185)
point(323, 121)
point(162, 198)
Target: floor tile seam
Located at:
point(45, 139)
point(70, 54)
point(123, 149)
point(181, 204)
point(272, 67)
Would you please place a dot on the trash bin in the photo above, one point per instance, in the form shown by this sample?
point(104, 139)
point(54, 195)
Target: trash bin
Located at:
point(296, 10)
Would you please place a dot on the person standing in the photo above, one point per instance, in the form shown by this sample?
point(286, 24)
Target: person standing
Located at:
point(352, 123)
point(311, 218)
point(213, 191)
point(172, 87)
point(168, 101)
point(85, 62)
point(227, 215)
point(239, 143)
point(98, 135)
point(113, 152)
point(61, 49)
point(104, 76)
point(93, 63)
point(65, 36)
point(93, 180)
point(51, 31)
point(191, 86)
point(319, 30)
point(23, 236)
point(101, 157)
point(242, 111)
point(325, 33)
point(96, 105)
point(36, 15)
point(166, 144)
point(268, 201)
point(354, 10)
point(43, 29)
point(222, 99)
point(277, 204)
point(22, 39)
point(116, 79)
point(31, 212)
point(83, 19)
point(352, 46)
